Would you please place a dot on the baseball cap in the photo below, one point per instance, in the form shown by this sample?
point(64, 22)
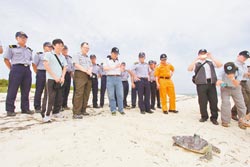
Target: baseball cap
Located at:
point(245, 54)
point(47, 44)
point(21, 34)
point(115, 50)
point(141, 54)
point(123, 63)
point(202, 51)
point(230, 68)
point(92, 56)
point(150, 62)
point(163, 56)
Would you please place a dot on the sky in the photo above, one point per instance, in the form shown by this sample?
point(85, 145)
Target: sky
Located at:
point(178, 28)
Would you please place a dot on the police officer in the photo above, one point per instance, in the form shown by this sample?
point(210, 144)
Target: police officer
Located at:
point(153, 87)
point(133, 93)
point(141, 76)
point(68, 76)
point(157, 93)
point(125, 75)
point(1, 48)
point(96, 71)
point(103, 85)
point(18, 59)
point(40, 71)
point(163, 74)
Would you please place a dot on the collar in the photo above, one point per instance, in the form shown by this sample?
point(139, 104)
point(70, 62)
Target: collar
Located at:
point(110, 58)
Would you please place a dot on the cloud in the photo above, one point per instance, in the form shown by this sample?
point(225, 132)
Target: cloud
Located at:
point(178, 28)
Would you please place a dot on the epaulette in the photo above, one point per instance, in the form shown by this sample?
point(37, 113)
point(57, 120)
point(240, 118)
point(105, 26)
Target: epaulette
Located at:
point(70, 57)
point(12, 46)
point(109, 56)
point(39, 53)
point(30, 49)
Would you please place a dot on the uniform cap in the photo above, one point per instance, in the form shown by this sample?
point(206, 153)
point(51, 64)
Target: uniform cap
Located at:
point(92, 56)
point(115, 50)
point(245, 54)
point(163, 56)
point(21, 34)
point(47, 44)
point(150, 62)
point(141, 54)
point(202, 51)
point(230, 68)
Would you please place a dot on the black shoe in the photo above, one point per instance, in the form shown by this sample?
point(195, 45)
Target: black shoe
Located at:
point(150, 112)
point(152, 108)
point(143, 112)
point(11, 114)
point(101, 106)
point(66, 108)
point(96, 107)
point(159, 107)
point(28, 112)
point(62, 109)
point(173, 111)
point(38, 111)
point(165, 112)
point(133, 106)
point(77, 116)
point(203, 120)
point(215, 122)
point(113, 113)
point(234, 117)
point(123, 113)
point(85, 113)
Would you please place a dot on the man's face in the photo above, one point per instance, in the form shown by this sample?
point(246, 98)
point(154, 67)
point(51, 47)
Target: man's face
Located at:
point(65, 52)
point(202, 56)
point(93, 60)
point(47, 48)
point(114, 55)
point(85, 49)
point(163, 61)
point(58, 47)
point(142, 59)
point(152, 65)
point(21, 40)
point(242, 58)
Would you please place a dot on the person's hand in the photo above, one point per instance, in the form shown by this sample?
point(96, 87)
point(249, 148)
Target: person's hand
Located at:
point(133, 85)
point(136, 79)
point(158, 86)
point(89, 73)
point(231, 76)
point(219, 82)
point(209, 55)
point(57, 80)
point(118, 65)
point(62, 80)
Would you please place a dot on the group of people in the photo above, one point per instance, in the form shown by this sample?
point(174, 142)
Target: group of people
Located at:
point(233, 80)
point(55, 69)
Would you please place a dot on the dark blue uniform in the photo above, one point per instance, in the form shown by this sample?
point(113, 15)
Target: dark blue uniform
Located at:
point(103, 86)
point(19, 76)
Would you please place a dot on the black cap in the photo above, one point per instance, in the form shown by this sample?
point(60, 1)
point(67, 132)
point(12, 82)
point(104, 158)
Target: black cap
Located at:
point(141, 54)
point(123, 63)
point(115, 50)
point(230, 68)
point(202, 51)
point(21, 34)
point(245, 54)
point(47, 44)
point(155, 62)
point(65, 47)
point(92, 56)
point(163, 56)
point(151, 62)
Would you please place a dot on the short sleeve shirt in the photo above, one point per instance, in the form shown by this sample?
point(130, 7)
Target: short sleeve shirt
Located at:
point(164, 70)
point(82, 60)
point(38, 60)
point(112, 63)
point(54, 64)
point(96, 69)
point(141, 70)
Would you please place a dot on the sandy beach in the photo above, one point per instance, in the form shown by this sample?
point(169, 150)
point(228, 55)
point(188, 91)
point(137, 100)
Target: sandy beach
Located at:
point(102, 140)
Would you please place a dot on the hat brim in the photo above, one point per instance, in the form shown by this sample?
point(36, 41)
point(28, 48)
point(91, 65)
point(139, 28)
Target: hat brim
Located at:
point(23, 35)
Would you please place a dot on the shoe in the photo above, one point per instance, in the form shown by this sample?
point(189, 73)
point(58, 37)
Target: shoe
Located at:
point(11, 114)
point(225, 124)
point(173, 111)
point(77, 116)
point(96, 107)
point(234, 117)
point(242, 126)
point(101, 106)
point(143, 112)
point(62, 109)
point(85, 113)
point(203, 120)
point(215, 122)
point(66, 108)
point(165, 112)
point(150, 112)
point(28, 112)
point(122, 113)
point(47, 119)
point(38, 111)
point(113, 113)
point(245, 122)
point(152, 108)
point(159, 107)
point(58, 115)
point(133, 106)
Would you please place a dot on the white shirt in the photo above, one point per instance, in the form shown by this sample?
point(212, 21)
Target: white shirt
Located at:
point(112, 63)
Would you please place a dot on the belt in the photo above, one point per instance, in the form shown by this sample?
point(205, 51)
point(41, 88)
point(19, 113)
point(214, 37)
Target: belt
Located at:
point(41, 70)
point(243, 81)
point(124, 81)
point(164, 77)
point(25, 65)
point(143, 78)
point(114, 75)
point(208, 80)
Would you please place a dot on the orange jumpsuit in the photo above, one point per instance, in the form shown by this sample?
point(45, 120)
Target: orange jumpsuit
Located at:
point(163, 72)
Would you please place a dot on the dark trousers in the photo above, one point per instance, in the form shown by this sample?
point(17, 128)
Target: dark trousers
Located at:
point(52, 100)
point(95, 92)
point(19, 76)
point(125, 92)
point(245, 89)
point(83, 85)
point(207, 93)
point(133, 96)
point(66, 89)
point(103, 89)
point(40, 85)
point(143, 87)
point(154, 94)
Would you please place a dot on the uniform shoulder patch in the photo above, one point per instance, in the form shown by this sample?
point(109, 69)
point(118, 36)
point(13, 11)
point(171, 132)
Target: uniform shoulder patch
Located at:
point(12, 46)
point(70, 57)
point(30, 49)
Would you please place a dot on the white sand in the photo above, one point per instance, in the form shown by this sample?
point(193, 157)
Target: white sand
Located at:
point(102, 140)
